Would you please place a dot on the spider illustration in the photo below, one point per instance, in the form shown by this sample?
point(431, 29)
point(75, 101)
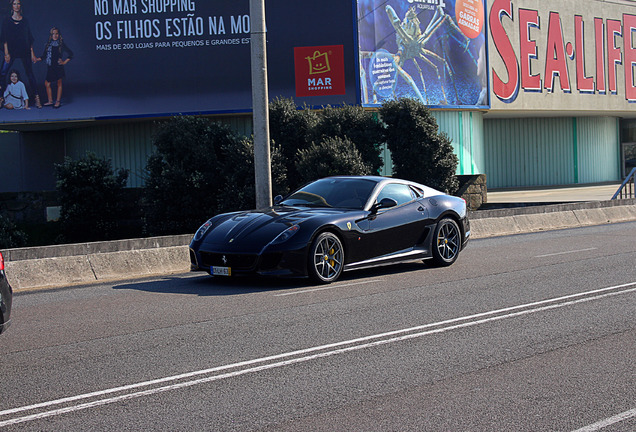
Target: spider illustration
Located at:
point(412, 47)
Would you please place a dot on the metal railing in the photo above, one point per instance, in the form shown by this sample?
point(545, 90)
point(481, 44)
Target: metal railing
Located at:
point(627, 189)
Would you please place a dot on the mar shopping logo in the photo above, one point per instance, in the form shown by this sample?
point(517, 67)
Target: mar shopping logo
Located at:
point(319, 70)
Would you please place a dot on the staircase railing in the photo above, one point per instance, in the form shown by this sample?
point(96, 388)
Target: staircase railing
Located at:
point(627, 189)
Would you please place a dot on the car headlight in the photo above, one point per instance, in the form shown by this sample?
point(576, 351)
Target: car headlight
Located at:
point(286, 235)
point(201, 231)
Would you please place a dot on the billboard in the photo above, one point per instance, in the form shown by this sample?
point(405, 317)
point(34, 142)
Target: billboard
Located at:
point(145, 58)
point(431, 50)
point(563, 57)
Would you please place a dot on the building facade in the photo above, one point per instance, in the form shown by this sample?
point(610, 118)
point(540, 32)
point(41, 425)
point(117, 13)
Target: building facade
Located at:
point(531, 93)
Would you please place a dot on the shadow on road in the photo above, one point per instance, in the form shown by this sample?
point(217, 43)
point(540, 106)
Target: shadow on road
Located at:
point(202, 284)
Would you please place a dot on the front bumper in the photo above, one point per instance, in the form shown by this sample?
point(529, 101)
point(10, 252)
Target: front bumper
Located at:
point(282, 264)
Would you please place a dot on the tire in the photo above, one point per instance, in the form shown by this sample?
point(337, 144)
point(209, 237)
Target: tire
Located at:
point(326, 258)
point(446, 242)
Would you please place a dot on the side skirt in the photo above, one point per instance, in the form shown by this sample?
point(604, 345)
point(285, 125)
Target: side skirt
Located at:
point(397, 257)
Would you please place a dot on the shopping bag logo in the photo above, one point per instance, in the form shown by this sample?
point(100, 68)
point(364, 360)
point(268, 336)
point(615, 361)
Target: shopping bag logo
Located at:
point(318, 63)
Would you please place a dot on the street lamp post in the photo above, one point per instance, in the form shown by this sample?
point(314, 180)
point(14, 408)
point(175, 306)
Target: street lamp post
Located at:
point(260, 109)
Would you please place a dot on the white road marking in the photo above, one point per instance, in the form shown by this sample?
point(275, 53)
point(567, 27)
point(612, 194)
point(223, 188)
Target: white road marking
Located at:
point(305, 355)
point(326, 288)
point(565, 253)
point(608, 421)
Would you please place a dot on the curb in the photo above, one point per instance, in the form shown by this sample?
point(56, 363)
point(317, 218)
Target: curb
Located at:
point(527, 219)
point(87, 263)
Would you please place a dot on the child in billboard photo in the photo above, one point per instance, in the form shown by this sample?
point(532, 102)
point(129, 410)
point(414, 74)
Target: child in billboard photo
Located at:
point(54, 55)
point(17, 42)
point(15, 96)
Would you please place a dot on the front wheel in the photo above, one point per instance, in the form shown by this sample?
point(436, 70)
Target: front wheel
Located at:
point(446, 242)
point(326, 258)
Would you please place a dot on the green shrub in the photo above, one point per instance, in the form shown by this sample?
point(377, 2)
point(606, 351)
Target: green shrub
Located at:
point(361, 127)
point(10, 235)
point(238, 173)
point(333, 156)
point(184, 176)
point(292, 130)
point(419, 152)
point(90, 194)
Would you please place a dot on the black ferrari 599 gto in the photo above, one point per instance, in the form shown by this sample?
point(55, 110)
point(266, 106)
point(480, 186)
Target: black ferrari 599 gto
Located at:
point(333, 225)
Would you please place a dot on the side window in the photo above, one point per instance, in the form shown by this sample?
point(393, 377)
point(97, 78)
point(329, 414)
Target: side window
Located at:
point(399, 192)
point(418, 192)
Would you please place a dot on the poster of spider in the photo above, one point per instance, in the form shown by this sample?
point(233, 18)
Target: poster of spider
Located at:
point(430, 50)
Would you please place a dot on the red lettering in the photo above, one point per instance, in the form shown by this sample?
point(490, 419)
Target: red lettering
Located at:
point(507, 92)
point(600, 54)
point(583, 83)
point(629, 22)
point(528, 48)
point(614, 55)
point(555, 62)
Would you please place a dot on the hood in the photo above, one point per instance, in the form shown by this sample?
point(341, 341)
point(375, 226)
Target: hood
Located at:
point(254, 229)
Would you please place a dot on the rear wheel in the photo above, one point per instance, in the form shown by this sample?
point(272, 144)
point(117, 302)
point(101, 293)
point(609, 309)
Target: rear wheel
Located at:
point(326, 258)
point(446, 242)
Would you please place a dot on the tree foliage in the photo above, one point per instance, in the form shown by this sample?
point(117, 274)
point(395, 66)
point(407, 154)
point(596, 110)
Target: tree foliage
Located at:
point(295, 130)
point(10, 235)
point(333, 156)
point(292, 130)
point(360, 127)
point(239, 176)
point(419, 152)
point(184, 174)
point(90, 194)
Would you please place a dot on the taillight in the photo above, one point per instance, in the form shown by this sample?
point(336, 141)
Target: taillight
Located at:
point(1, 262)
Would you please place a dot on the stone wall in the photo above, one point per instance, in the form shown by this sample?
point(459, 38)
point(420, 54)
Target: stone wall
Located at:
point(473, 189)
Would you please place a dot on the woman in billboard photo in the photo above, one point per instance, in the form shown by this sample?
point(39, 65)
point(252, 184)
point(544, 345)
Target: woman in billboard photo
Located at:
point(18, 44)
point(16, 96)
point(56, 54)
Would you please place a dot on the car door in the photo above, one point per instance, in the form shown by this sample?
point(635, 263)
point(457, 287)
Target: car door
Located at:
point(396, 228)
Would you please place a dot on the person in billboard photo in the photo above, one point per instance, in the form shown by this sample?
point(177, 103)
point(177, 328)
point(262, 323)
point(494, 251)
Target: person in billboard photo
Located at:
point(17, 41)
point(56, 54)
point(16, 96)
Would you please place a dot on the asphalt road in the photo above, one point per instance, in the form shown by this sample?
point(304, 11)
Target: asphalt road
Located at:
point(532, 332)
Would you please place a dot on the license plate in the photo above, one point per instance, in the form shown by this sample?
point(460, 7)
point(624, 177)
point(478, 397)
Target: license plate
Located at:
point(221, 271)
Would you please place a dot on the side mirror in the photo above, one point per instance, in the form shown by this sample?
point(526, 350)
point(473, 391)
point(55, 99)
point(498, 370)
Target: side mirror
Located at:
point(278, 199)
point(384, 203)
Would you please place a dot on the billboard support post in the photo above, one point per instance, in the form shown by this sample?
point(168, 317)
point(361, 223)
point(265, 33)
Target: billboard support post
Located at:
point(260, 108)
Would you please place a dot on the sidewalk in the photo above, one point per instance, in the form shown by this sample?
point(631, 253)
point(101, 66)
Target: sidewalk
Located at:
point(596, 192)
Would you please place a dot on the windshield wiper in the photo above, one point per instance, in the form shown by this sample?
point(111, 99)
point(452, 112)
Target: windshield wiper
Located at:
point(315, 205)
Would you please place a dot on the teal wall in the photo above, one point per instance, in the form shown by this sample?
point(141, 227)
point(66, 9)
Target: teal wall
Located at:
point(511, 152)
point(598, 149)
point(128, 145)
point(551, 151)
point(466, 130)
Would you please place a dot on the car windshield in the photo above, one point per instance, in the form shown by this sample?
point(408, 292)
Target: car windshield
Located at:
point(351, 193)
